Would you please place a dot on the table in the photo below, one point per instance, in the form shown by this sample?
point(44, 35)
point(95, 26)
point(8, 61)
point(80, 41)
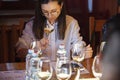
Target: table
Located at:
point(87, 63)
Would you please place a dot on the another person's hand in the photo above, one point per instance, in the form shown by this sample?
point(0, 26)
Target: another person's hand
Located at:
point(88, 52)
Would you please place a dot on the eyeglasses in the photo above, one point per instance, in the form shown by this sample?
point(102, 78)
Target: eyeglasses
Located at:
point(53, 12)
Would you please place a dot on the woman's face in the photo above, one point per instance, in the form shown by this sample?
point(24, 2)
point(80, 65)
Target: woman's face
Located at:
point(51, 10)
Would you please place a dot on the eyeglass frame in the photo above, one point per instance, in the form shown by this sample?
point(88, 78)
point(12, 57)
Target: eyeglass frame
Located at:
point(52, 12)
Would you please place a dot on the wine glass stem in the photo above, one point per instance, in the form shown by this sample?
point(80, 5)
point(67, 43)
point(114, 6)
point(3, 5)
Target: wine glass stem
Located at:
point(78, 74)
point(98, 78)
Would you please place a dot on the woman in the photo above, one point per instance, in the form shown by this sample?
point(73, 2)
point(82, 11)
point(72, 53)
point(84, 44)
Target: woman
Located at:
point(51, 14)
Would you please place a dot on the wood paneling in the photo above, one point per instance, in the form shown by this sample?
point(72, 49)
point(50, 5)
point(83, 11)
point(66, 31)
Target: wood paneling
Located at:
point(95, 31)
point(79, 10)
point(9, 36)
point(104, 8)
point(17, 5)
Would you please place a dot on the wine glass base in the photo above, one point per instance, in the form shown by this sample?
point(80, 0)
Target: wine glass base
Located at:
point(76, 65)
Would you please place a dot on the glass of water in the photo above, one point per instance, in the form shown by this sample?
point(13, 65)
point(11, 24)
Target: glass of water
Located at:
point(45, 69)
point(78, 52)
point(63, 69)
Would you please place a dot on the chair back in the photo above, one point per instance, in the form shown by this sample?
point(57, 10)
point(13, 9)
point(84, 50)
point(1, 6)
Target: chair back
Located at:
point(9, 35)
point(95, 31)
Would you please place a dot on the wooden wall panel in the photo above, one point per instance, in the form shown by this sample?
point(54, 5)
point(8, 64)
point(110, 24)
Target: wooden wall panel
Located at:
point(79, 10)
point(104, 8)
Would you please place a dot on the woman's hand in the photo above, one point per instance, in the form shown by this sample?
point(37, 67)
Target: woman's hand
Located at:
point(88, 51)
point(21, 54)
point(44, 43)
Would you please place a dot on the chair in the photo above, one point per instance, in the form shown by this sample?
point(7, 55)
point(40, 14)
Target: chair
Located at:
point(9, 35)
point(95, 32)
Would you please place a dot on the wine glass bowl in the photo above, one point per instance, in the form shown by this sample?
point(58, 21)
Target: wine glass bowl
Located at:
point(78, 56)
point(47, 31)
point(96, 67)
point(78, 53)
point(35, 45)
point(45, 69)
point(63, 69)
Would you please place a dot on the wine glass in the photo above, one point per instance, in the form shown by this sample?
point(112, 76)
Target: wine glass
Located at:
point(47, 31)
point(63, 69)
point(35, 46)
point(45, 69)
point(96, 67)
point(78, 53)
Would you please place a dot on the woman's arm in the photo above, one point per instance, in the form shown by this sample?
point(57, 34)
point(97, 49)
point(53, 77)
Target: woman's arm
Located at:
point(24, 41)
point(78, 39)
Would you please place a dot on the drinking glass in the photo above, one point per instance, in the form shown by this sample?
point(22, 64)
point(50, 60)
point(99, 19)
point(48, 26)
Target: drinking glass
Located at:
point(96, 67)
point(63, 69)
point(47, 31)
point(45, 69)
point(35, 45)
point(78, 53)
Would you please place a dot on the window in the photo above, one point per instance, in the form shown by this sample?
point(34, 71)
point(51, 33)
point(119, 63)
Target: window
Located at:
point(90, 6)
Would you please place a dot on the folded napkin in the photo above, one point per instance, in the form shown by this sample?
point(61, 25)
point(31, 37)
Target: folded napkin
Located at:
point(89, 79)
